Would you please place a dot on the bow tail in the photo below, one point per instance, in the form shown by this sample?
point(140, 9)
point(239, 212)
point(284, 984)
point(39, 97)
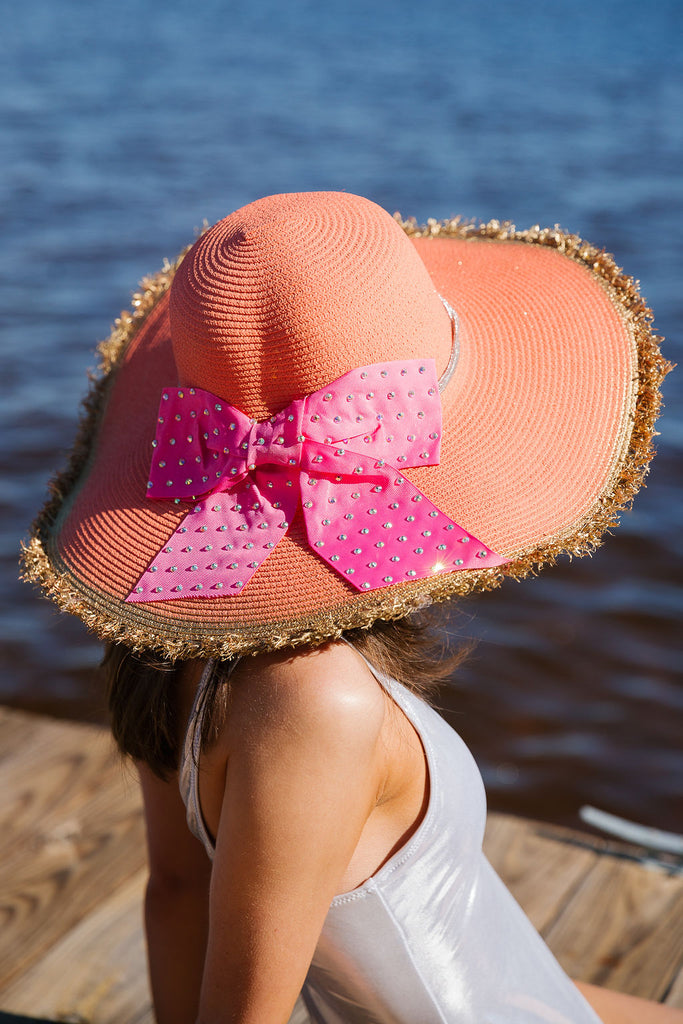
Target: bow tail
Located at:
point(379, 529)
point(220, 544)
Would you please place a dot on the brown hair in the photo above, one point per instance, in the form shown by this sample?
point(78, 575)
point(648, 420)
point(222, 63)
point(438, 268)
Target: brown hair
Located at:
point(142, 688)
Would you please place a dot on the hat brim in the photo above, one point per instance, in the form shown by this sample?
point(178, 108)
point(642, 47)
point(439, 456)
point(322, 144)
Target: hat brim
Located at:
point(547, 433)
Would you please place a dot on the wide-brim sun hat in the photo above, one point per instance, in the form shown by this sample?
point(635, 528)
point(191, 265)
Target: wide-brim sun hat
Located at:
point(321, 416)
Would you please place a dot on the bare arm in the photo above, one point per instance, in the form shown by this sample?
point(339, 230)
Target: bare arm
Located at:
point(617, 1008)
point(176, 902)
point(303, 775)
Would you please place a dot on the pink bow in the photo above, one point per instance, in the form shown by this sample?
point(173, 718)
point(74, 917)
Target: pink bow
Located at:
point(339, 452)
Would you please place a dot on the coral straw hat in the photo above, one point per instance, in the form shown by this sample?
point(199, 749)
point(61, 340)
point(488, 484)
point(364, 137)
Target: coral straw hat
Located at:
point(320, 416)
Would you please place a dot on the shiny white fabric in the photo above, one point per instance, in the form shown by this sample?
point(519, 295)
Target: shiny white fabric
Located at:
point(434, 937)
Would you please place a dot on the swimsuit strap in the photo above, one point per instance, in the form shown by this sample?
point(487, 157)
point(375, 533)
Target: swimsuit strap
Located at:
point(188, 776)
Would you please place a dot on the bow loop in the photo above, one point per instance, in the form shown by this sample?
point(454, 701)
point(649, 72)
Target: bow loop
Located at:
point(204, 445)
point(196, 447)
point(388, 410)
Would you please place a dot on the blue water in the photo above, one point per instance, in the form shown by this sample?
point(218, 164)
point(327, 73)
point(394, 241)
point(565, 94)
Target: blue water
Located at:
point(125, 125)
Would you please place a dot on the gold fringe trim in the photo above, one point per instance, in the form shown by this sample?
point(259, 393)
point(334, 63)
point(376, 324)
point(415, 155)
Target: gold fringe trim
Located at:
point(150, 633)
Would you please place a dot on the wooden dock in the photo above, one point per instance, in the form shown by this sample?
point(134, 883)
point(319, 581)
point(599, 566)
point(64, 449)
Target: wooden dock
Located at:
point(72, 874)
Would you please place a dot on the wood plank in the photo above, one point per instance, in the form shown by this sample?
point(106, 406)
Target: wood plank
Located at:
point(72, 831)
point(623, 929)
point(24, 736)
point(674, 996)
point(96, 971)
point(541, 873)
point(608, 920)
point(50, 775)
point(106, 980)
point(17, 729)
point(652, 947)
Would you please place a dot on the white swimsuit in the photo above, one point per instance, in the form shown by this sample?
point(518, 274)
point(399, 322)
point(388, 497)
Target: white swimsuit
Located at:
point(434, 937)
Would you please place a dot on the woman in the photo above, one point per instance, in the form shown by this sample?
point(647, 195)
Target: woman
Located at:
point(321, 427)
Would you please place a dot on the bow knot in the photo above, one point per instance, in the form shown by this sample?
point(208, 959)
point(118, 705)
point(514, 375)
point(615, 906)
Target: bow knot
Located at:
point(277, 441)
point(336, 454)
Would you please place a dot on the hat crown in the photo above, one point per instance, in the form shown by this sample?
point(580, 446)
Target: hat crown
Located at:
point(290, 292)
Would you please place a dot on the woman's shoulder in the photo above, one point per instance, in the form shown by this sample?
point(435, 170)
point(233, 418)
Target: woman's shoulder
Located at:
point(324, 690)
